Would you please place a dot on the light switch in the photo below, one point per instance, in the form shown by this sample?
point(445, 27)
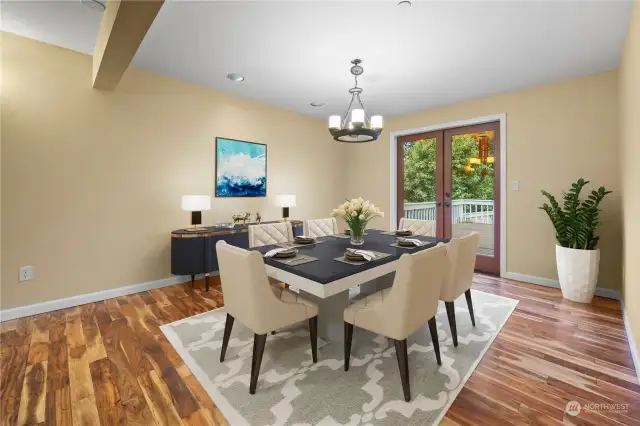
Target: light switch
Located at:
point(515, 185)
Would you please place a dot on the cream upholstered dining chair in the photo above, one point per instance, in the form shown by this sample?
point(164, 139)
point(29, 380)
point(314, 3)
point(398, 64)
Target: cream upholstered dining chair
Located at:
point(270, 233)
point(320, 227)
point(398, 311)
point(419, 227)
point(259, 306)
point(461, 260)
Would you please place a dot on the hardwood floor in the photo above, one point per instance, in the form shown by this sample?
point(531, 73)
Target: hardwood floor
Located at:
point(108, 363)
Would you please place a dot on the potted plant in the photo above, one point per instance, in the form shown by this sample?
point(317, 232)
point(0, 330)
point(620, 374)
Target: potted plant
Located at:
point(357, 213)
point(577, 257)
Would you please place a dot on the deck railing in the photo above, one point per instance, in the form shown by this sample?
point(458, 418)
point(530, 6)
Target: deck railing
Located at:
point(469, 211)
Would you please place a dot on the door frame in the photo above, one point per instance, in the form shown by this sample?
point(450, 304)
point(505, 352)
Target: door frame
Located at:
point(483, 263)
point(393, 172)
point(439, 137)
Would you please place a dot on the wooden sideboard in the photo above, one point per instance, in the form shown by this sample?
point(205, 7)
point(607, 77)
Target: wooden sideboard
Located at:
point(194, 252)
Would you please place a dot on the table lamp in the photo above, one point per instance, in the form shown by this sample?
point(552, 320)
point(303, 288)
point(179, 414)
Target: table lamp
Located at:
point(285, 201)
point(196, 204)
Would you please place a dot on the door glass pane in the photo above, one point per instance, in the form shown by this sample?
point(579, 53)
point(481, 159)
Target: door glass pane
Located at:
point(472, 159)
point(420, 179)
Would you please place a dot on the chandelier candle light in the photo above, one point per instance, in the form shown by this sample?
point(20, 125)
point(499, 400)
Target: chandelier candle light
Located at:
point(357, 213)
point(361, 128)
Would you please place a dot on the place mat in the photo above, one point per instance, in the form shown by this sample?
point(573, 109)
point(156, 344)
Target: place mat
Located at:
point(296, 245)
point(378, 255)
point(300, 259)
point(394, 234)
point(424, 243)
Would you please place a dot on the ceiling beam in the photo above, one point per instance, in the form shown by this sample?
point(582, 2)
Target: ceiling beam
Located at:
point(124, 25)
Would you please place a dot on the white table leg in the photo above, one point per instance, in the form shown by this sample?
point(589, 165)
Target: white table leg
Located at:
point(377, 284)
point(331, 315)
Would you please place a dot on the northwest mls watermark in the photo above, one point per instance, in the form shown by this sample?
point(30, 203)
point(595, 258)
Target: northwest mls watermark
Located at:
point(574, 408)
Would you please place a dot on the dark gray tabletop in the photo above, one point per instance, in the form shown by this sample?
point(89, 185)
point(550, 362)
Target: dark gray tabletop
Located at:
point(326, 269)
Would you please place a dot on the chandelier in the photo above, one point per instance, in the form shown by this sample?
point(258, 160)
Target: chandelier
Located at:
point(356, 126)
point(483, 149)
point(484, 157)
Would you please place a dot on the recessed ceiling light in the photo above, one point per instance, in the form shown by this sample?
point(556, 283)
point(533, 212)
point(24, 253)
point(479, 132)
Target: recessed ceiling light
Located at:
point(317, 104)
point(235, 77)
point(94, 4)
point(404, 4)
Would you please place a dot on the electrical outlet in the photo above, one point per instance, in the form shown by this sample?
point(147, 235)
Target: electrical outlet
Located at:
point(515, 185)
point(27, 273)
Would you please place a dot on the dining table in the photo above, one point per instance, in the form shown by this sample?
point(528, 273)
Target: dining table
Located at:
point(322, 275)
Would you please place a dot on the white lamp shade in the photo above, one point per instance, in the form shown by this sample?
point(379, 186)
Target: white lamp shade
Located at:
point(334, 122)
point(376, 122)
point(285, 200)
point(196, 203)
point(357, 116)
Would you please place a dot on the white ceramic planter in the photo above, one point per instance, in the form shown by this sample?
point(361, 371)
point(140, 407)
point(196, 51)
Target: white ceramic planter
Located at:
point(578, 273)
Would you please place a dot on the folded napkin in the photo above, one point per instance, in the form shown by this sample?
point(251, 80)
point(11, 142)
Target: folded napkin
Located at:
point(273, 252)
point(368, 255)
point(305, 237)
point(413, 241)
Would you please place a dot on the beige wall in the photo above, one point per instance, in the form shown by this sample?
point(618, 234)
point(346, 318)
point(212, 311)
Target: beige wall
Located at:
point(555, 134)
point(1, 107)
point(629, 155)
point(91, 181)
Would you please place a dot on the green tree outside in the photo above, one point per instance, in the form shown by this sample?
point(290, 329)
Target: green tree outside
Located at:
point(420, 171)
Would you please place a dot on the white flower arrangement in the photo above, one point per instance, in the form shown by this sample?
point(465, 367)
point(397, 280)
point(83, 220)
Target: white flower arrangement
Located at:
point(357, 213)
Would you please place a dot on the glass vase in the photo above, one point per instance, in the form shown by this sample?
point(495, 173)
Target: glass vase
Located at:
point(356, 229)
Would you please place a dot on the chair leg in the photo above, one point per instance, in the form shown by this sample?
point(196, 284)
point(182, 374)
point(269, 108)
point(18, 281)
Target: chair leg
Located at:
point(206, 282)
point(433, 328)
point(348, 336)
point(451, 315)
point(403, 365)
point(259, 341)
point(467, 295)
point(228, 325)
point(193, 277)
point(313, 333)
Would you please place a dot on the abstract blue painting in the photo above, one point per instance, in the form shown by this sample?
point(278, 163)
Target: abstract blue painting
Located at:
point(241, 168)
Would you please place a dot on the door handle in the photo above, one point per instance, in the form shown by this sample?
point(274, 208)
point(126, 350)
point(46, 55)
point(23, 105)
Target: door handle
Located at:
point(447, 204)
point(438, 203)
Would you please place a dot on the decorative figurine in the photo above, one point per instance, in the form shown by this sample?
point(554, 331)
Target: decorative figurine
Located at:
point(258, 218)
point(244, 218)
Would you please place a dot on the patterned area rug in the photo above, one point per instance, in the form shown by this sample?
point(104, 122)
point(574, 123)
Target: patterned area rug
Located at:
point(294, 391)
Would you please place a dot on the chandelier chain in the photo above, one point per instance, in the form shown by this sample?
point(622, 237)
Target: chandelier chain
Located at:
point(363, 108)
point(346, 115)
point(354, 95)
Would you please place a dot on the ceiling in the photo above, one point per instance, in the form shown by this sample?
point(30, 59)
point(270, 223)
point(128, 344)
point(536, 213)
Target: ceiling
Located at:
point(294, 52)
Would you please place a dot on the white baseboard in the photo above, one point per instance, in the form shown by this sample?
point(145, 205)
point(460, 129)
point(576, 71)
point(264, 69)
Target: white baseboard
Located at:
point(602, 292)
point(635, 355)
point(81, 299)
